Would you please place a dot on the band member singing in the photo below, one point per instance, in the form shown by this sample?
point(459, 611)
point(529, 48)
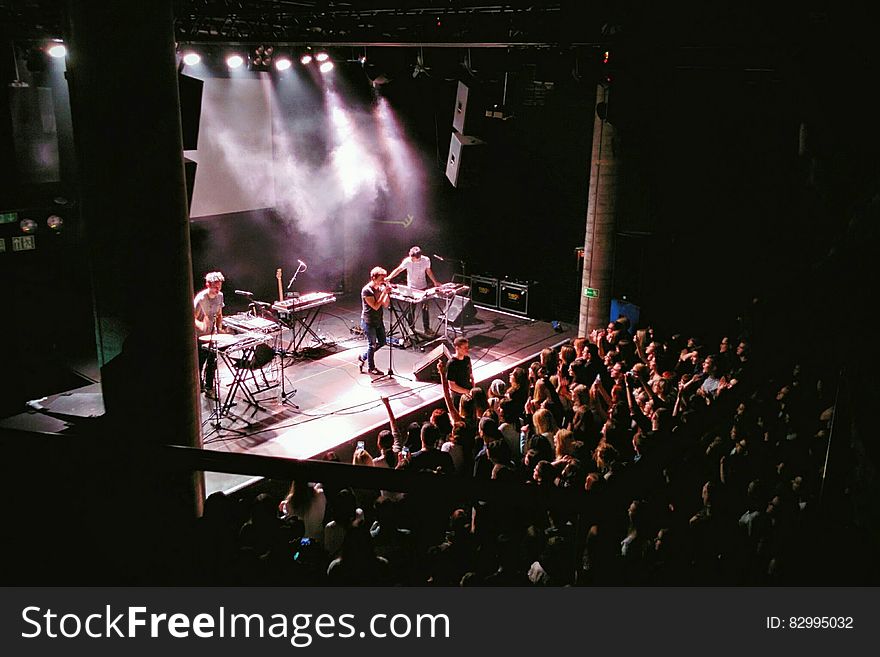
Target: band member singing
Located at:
point(375, 296)
point(418, 271)
point(208, 309)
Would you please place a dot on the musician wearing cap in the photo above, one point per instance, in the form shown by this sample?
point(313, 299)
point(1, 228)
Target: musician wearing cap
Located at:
point(375, 296)
point(208, 309)
point(418, 271)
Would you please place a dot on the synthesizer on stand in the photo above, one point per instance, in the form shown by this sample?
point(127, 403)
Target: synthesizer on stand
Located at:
point(304, 302)
point(407, 298)
point(299, 314)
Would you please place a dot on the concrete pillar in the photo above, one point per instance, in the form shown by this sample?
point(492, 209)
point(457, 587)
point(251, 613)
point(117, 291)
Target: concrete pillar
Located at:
point(126, 117)
point(601, 219)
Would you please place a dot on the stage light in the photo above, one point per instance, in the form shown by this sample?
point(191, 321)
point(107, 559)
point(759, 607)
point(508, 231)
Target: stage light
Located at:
point(362, 59)
point(28, 226)
point(326, 67)
point(261, 58)
point(55, 222)
point(282, 63)
point(192, 58)
point(322, 57)
point(57, 51)
point(306, 59)
point(234, 61)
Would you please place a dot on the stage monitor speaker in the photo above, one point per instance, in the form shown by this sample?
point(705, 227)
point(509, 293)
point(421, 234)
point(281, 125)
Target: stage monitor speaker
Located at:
point(425, 369)
point(190, 90)
point(261, 356)
point(461, 306)
point(463, 167)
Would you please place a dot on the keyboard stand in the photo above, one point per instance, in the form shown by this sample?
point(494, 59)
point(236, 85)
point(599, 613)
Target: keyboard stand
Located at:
point(400, 312)
point(240, 375)
point(304, 321)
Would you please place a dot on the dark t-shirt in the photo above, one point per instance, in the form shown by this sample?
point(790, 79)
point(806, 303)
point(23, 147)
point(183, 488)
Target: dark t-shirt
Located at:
point(431, 459)
point(519, 398)
point(459, 371)
point(368, 315)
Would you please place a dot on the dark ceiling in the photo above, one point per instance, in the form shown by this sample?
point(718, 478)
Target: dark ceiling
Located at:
point(699, 33)
point(683, 23)
point(332, 22)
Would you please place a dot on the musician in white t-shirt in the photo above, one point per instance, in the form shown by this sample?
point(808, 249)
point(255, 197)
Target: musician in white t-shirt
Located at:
point(208, 310)
point(418, 272)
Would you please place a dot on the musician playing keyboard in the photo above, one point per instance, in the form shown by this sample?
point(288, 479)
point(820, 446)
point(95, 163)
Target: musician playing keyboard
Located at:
point(208, 309)
point(418, 271)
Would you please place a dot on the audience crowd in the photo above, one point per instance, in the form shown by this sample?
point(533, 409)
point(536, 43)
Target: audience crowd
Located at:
point(649, 460)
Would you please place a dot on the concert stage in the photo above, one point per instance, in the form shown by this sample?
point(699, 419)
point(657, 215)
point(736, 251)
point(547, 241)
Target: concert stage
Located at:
point(335, 404)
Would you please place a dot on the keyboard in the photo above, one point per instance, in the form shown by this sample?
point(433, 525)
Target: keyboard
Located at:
point(446, 290)
point(406, 293)
point(412, 295)
point(245, 323)
point(304, 302)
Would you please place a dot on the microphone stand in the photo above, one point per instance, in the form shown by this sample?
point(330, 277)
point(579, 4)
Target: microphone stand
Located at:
point(213, 346)
point(286, 396)
point(293, 340)
point(389, 343)
point(462, 263)
point(300, 267)
point(221, 408)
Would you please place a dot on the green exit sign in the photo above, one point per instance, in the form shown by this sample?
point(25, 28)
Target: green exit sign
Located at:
point(8, 217)
point(591, 293)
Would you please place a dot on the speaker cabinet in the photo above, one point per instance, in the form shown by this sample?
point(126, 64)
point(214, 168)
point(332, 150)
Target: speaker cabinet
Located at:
point(262, 355)
point(189, 171)
point(469, 113)
point(461, 105)
point(484, 291)
point(463, 167)
point(190, 90)
point(514, 297)
point(425, 369)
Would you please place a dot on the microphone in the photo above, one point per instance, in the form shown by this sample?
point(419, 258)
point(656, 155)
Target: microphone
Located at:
point(440, 258)
point(244, 293)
